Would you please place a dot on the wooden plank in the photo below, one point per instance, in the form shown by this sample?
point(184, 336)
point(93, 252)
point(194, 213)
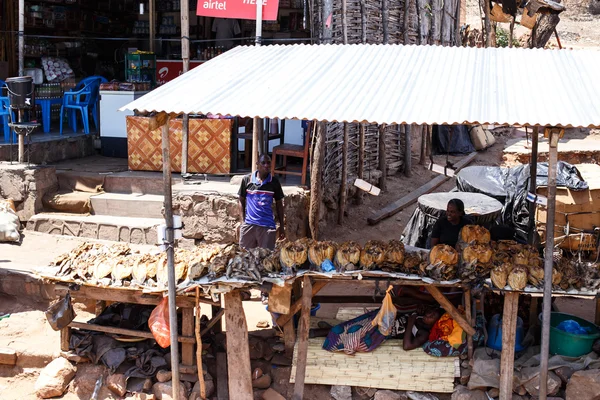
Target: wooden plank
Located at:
point(222, 388)
point(450, 309)
point(8, 356)
point(289, 338)
point(238, 351)
point(123, 295)
point(412, 197)
point(199, 348)
point(469, 314)
point(121, 331)
point(187, 329)
point(65, 338)
point(280, 299)
point(303, 340)
point(216, 319)
point(281, 321)
point(507, 360)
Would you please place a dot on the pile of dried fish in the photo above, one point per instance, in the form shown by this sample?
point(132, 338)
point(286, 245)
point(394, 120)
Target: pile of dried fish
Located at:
point(249, 265)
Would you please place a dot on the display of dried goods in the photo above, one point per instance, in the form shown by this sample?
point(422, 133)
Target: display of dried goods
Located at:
point(474, 234)
point(499, 275)
point(536, 275)
point(411, 263)
point(394, 252)
point(293, 255)
point(477, 253)
point(347, 256)
point(319, 252)
point(517, 278)
point(372, 255)
point(501, 257)
point(442, 253)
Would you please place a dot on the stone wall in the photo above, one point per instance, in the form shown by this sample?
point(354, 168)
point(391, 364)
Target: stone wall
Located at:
point(27, 186)
point(214, 218)
point(45, 152)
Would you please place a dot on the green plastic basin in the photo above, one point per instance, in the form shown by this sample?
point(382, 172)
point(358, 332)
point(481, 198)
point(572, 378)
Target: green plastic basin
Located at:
point(569, 344)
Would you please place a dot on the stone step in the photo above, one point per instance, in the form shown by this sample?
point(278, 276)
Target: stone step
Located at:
point(106, 227)
point(145, 182)
point(134, 205)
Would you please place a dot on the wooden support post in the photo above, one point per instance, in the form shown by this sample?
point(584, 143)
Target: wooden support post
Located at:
point(238, 351)
point(407, 151)
point(303, 339)
point(469, 314)
point(344, 178)
point(344, 21)
point(316, 180)
point(406, 22)
point(363, 21)
point(385, 19)
point(289, 338)
point(361, 160)
point(382, 158)
point(65, 338)
point(185, 56)
point(199, 348)
point(218, 325)
point(327, 30)
point(486, 20)
point(543, 30)
point(187, 329)
point(222, 388)
point(450, 309)
point(423, 156)
point(509, 328)
point(511, 32)
point(532, 183)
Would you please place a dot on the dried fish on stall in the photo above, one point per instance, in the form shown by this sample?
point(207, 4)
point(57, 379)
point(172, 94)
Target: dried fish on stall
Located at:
point(347, 256)
point(411, 264)
point(144, 267)
point(217, 267)
point(474, 234)
point(477, 253)
point(499, 275)
point(271, 263)
point(443, 261)
point(318, 252)
point(293, 255)
point(372, 255)
point(536, 275)
point(123, 267)
point(517, 279)
point(394, 253)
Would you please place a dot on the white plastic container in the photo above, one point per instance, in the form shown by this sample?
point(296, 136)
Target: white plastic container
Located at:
point(36, 73)
point(367, 187)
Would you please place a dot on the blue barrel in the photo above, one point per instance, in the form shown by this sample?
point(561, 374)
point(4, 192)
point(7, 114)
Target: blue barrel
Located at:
point(495, 334)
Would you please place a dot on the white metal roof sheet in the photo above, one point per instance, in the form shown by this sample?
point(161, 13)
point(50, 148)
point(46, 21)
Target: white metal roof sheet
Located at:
point(391, 84)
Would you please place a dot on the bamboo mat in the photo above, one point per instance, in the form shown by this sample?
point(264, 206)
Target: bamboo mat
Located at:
point(388, 367)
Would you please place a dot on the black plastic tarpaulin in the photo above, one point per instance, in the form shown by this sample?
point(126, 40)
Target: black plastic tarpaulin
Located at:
point(510, 187)
point(451, 139)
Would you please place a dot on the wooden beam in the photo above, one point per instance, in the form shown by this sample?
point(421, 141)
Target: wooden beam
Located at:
point(122, 331)
point(344, 178)
point(65, 338)
point(412, 197)
point(238, 351)
point(282, 320)
point(382, 158)
point(450, 309)
point(124, 296)
point(361, 157)
point(222, 388)
point(507, 360)
point(187, 329)
point(469, 314)
point(316, 180)
point(303, 339)
point(213, 321)
point(280, 299)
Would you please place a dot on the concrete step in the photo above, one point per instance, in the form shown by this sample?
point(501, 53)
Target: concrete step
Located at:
point(134, 205)
point(145, 182)
point(105, 227)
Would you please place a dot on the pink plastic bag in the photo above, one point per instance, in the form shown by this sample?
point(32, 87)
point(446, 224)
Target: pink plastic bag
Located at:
point(159, 324)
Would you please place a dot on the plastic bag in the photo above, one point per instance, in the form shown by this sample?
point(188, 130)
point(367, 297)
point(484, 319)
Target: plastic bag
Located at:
point(60, 313)
point(571, 326)
point(159, 324)
point(9, 223)
point(386, 316)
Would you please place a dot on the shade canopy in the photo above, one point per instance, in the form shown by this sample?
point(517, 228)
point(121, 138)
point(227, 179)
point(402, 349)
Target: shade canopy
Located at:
point(392, 84)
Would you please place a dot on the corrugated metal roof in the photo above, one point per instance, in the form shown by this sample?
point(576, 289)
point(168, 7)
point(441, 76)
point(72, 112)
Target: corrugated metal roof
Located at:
point(391, 84)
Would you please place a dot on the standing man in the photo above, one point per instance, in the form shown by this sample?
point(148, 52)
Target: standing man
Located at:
point(256, 195)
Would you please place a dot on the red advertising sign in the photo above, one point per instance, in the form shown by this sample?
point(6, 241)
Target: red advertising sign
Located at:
point(241, 9)
point(167, 70)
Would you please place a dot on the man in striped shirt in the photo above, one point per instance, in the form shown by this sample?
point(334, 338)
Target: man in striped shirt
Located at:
point(257, 192)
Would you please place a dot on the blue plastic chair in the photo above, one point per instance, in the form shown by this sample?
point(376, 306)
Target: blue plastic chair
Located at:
point(4, 113)
point(79, 100)
point(95, 94)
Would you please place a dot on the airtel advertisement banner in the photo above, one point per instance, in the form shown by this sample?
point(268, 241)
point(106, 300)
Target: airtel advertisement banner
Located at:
point(167, 70)
point(240, 9)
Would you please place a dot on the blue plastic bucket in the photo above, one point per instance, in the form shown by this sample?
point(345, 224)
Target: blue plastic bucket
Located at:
point(494, 340)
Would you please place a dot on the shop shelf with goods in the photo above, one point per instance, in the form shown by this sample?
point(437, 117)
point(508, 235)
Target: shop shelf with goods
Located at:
point(141, 67)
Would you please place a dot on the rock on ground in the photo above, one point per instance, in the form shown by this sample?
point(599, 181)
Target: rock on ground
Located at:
point(554, 383)
point(272, 394)
point(564, 373)
point(209, 386)
point(389, 395)
point(584, 385)
point(493, 393)
point(341, 392)
point(117, 384)
point(163, 376)
point(164, 391)
point(462, 393)
point(55, 378)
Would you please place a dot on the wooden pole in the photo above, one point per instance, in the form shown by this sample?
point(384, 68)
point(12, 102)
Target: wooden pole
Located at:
point(486, 19)
point(256, 142)
point(238, 350)
point(509, 328)
point(303, 339)
point(382, 158)
point(543, 30)
point(21, 42)
point(532, 183)
point(363, 21)
point(423, 144)
point(316, 180)
point(185, 56)
point(199, 345)
point(385, 19)
point(327, 12)
point(152, 18)
point(406, 22)
point(511, 32)
point(548, 264)
point(419, 23)
point(361, 160)
point(450, 309)
point(469, 314)
point(407, 151)
point(344, 178)
point(170, 243)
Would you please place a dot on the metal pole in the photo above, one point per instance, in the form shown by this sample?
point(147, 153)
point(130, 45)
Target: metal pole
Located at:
point(185, 56)
point(407, 151)
point(548, 263)
point(256, 126)
point(21, 38)
point(532, 183)
point(170, 258)
point(152, 17)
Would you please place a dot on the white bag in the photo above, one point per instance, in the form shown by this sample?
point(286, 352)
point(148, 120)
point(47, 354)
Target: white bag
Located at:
point(481, 138)
point(9, 224)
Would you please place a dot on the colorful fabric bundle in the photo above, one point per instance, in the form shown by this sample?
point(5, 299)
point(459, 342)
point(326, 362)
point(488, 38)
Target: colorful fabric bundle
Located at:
point(356, 335)
point(448, 330)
